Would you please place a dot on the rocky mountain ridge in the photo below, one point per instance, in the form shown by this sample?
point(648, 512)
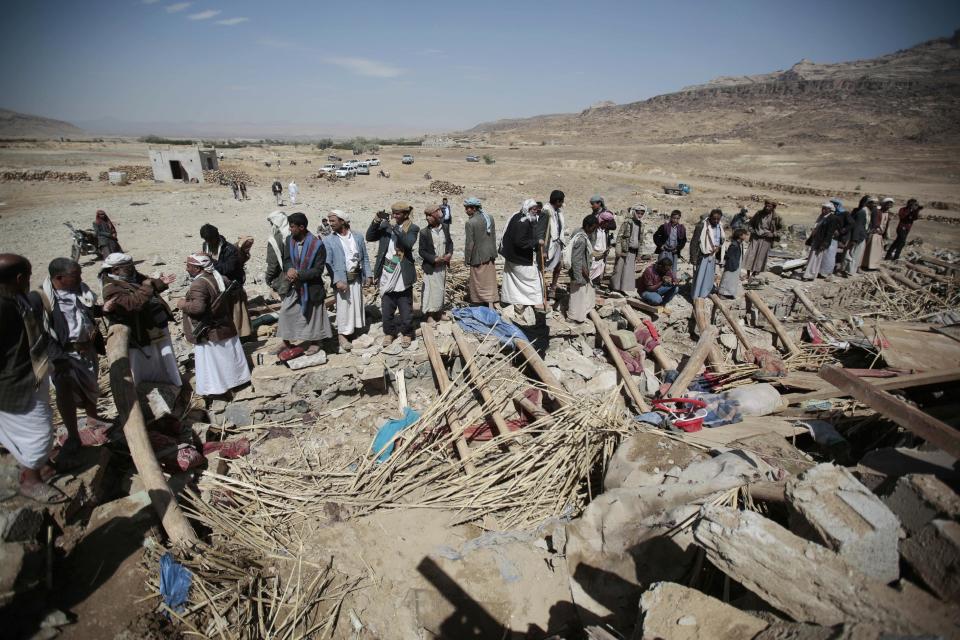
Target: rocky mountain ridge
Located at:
point(21, 125)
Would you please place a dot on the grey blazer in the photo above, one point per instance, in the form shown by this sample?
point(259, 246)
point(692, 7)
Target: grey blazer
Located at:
point(479, 247)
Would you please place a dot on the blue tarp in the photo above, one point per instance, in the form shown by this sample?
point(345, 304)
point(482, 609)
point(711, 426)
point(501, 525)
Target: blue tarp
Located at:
point(175, 582)
point(484, 321)
point(383, 441)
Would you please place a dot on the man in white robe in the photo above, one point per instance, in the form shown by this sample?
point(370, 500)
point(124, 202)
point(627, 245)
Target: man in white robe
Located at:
point(349, 265)
point(294, 190)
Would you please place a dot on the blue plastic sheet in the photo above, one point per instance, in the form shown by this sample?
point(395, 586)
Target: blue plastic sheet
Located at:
point(175, 580)
point(383, 442)
point(484, 321)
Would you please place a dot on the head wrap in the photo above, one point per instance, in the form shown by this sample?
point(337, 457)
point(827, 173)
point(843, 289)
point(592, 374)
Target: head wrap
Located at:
point(828, 205)
point(527, 204)
point(872, 199)
point(596, 199)
point(343, 215)
point(281, 230)
point(400, 206)
point(204, 261)
point(886, 200)
point(642, 208)
point(475, 202)
point(116, 260)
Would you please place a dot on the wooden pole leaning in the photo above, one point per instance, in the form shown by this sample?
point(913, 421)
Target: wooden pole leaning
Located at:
point(778, 327)
point(694, 362)
point(174, 522)
point(618, 362)
point(657, 353)
point(714, 359)
point(443, 383)
point(468, 356)
point(732, 322)
point(818, 315)
point(540, 368)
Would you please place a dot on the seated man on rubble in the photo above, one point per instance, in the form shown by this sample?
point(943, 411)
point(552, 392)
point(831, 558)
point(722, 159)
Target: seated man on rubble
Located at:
point(135, 301)
point(658, 283)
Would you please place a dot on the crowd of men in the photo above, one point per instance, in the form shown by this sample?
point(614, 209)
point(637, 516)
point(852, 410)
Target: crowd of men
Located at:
point(51, 334)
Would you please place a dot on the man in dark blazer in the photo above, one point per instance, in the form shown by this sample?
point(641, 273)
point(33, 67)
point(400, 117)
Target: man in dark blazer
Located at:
point(436, 249)
point(395, 270)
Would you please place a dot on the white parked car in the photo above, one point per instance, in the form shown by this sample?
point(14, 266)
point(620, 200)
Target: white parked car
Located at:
point(407, 159)
point(343, 172)
point(328, 168)
point(373, 162)
point(363, 163)
point(363, 169)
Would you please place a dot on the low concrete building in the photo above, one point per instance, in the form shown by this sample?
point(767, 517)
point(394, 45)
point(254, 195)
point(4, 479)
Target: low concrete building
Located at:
point(185, 164)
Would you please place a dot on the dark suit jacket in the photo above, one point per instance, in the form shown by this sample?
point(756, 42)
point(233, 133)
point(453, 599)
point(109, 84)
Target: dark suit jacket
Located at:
point(429, 253)
point(312, 276)
point(519, 240)
point(381, 231)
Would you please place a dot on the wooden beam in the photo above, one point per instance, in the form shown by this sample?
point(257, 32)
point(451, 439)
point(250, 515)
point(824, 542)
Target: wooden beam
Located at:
point(818, 316)
point(702, 320)
point(731, 321)
point(618, 362)
point(661, 358)
point(902, 279)
point(930, 273)
point(540, 368)
point(443, 383)
point(524, 404)
point(949, 266)
point(649, 308)
point(909, 417)
point(778, 327)
point(124, 390)
point(693, 364)
point(885, 276)
point(469, 358)
point(899, 382)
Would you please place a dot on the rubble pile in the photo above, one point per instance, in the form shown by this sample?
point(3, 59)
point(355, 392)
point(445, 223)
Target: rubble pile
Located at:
point(445, 188)
point(767, 467)
point(135, 172)
point(227, 176)
point(41, 175)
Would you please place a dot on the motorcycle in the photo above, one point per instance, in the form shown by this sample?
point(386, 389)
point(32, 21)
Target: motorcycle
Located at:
point(84, 243)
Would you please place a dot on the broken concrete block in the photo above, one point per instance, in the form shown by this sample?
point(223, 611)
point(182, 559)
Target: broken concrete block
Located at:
point(811, 583)
point(239, 414)
point(669, 610)
point(934, 553)
point(303, 362)
point(136, 506)
point(625, 340)
point(918, 499)
point(21, 568)
point(21, 525)
point(604, 382)
point(157, 399)
point(728, 340)
point(831, 507)
point(373, 379)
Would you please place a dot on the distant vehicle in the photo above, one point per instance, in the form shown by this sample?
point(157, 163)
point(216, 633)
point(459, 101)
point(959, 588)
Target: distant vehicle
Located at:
point(473, 158)
point(328, 168)
point(334, 158)
point(344, 173)
point(679, 190)
point(362, 170)
point(407, 159)
point(350, 164)
point(363, 163)
point(373, 162)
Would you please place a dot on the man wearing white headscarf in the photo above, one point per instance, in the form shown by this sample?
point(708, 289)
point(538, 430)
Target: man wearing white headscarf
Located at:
point(522, 281)
point(219, 361)
point(136, 302)
point(629, 239)
point(349, 264)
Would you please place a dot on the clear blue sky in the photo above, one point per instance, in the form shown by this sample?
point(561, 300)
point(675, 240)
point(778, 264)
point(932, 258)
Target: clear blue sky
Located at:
point(415, 64)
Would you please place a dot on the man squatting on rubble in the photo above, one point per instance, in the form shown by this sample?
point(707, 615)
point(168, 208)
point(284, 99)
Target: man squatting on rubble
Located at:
point(349, 266)
point(395, 271)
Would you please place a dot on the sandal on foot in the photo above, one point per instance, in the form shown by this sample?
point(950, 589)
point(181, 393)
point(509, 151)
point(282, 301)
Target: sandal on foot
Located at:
point(311, 350)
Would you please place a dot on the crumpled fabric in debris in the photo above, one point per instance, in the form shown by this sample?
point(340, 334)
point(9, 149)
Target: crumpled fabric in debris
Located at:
point(383, 442)
point(228, 449)
point(769, 363)
point(175, 580)
point(486, 321)
point(174, 456)
point(483, 431)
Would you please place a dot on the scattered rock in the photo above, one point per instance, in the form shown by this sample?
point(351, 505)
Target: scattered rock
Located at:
point(674, 612)
point(918, 499)
point(934, 554)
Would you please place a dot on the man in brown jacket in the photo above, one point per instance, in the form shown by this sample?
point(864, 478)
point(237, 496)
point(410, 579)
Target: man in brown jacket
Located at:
point(219, 361)
point(136, 302)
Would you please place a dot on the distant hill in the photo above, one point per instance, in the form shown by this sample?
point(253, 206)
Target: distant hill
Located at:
point(908, 95)
point(22, 125)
